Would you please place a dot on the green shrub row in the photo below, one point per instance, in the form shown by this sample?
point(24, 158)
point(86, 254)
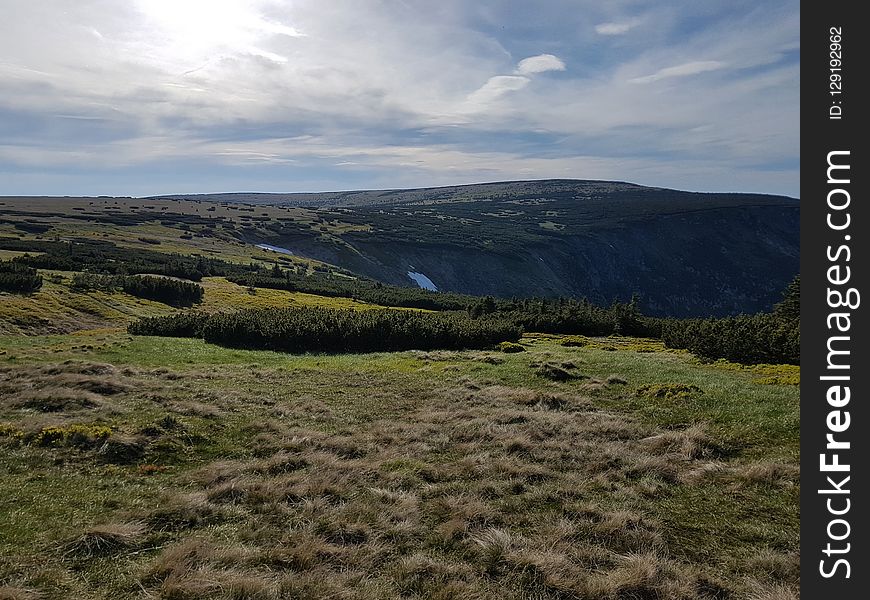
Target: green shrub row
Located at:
point(186, 324)
point(331, 330)
point(748, 339)
point(160, 289)
point(568, 316)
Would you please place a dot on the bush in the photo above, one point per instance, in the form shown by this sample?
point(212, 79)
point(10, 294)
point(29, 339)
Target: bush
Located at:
point(747, 339)
point(511, 347)
point(18, 279)
point(570, 316)
point(331, 330)
point(574, 341)
point(159, 289)
point(185, 324)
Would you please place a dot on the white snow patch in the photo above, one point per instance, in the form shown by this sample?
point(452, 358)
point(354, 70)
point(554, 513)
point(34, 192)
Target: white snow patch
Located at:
point(423, 281)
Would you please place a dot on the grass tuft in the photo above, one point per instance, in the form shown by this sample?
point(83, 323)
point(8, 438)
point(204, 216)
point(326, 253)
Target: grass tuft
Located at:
point(102, 540)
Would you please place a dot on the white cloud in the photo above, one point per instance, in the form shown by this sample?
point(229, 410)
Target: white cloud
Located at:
point(616, 28)
point(192, 78)
point(683, 70)
point(539, 64)
point(497, 86)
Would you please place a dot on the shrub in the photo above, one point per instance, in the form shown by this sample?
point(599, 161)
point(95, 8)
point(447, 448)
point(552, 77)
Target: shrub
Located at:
point(570, 316)
point(330, 330)
point(511, 347)
point(185, 324)
point(77, 435)
point(747, 339)
point(159, 289)
point(670, 391)
point(574, 341)
point(18, 279)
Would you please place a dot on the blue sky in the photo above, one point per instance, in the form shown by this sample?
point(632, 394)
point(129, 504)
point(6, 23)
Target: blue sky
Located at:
point(179, 96)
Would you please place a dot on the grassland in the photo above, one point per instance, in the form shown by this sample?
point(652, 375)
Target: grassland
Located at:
point(168, 468)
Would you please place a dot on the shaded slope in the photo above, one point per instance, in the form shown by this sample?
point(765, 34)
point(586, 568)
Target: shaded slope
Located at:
point(684, 253)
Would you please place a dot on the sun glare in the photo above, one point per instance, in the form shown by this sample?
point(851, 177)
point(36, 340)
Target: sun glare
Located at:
point(199, 30)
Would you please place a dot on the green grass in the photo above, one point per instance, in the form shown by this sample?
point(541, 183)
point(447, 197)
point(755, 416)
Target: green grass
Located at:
point(448, 474)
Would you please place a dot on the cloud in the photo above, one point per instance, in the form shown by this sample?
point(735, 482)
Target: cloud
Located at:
point(683, 70)
point(539, 64)
point(212, 84)
point(497, 86)
point(616, 28)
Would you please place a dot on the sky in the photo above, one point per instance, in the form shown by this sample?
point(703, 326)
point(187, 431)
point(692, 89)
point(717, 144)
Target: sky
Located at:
point(147, 97)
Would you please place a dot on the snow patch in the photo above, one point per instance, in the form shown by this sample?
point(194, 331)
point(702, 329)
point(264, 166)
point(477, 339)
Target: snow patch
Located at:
point(275, 248)
point(423, 281)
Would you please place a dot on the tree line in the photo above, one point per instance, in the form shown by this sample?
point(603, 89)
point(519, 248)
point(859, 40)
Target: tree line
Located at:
point(770, 337)
point(767, 337)
point(326, 283)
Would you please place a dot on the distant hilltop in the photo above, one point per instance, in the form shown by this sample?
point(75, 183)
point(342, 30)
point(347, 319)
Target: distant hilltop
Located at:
point(444, 194)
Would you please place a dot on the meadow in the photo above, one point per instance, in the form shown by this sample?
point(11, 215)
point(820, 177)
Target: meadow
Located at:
point(150, 467)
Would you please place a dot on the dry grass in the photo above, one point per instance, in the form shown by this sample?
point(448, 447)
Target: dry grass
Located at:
point(72, 405)
point(102, 540)
point(9, 592)
point(476, 487)
point(690, 443)
point(56, 308)
point(184, 511)
point(772, 591)
point(53, 399)
point(769, 472)
point(69, 386)
point(505, 516)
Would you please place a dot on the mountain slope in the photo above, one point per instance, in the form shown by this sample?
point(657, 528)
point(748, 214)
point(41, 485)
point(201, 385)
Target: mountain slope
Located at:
point(684, 253)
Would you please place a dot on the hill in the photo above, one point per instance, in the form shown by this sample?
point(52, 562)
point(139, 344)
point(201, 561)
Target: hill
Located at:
point(684, 253)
